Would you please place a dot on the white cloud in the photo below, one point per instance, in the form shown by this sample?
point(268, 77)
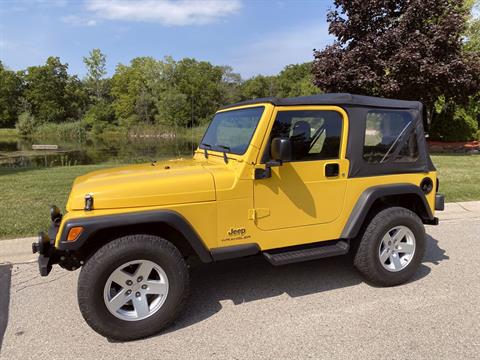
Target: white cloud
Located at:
point(272, 52)
point(165, 12)
point(78, 20)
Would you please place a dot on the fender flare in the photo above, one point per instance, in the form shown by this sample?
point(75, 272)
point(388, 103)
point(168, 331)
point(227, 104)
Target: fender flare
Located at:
point(370, 195)
point(94, 224)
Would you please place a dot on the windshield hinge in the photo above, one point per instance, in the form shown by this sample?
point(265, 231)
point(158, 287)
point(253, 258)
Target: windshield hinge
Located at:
point(88, 202)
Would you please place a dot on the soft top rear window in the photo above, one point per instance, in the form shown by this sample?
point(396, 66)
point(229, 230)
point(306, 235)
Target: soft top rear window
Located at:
point(390, 137)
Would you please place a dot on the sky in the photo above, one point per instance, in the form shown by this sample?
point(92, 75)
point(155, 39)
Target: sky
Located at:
point(252, 36)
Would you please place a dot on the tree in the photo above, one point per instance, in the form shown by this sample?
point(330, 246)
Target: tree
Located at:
point(453, 123)
point(293, 80)
point(230, 86)
point(51, 94)
point(296, 80)
point(135, 89)
point(259, 87)
point(172, 109)
point(96, 66)
point(407, 49)
point(200, 82)
point(472, 43)
point(98, 117)
point(10, 93)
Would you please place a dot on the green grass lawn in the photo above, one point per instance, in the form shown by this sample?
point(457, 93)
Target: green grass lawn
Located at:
point(26, 194)
point(459, 176)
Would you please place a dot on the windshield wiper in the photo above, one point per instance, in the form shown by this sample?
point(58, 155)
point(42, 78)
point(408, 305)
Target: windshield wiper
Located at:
point(205, 149)
point(225, 148)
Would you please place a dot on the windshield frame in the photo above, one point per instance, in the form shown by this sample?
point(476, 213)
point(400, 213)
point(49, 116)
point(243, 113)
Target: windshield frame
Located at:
point(223, 150)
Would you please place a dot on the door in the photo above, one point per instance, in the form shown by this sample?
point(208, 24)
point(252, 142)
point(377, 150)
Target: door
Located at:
point(309, 188)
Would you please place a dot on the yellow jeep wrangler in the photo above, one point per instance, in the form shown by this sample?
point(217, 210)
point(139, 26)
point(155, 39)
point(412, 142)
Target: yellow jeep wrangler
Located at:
point(294, 179)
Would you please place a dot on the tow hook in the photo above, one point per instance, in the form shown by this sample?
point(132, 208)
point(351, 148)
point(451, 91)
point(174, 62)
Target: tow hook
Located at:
point(42, 245)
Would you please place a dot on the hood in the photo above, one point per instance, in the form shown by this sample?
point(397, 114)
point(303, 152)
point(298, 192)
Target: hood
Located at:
point(164, 183)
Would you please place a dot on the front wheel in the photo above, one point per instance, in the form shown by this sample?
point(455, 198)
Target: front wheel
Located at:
point(391, 247)
point(133, 287)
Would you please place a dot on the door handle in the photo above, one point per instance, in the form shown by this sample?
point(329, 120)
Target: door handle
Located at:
point(332, 170)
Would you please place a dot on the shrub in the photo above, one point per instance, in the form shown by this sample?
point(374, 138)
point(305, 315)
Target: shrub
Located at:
point(454, 123)
point(131, 121)
point(98, 117)
point(26, 124)
point(74, 130)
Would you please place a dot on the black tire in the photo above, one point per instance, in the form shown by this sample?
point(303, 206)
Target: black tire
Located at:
point(98, 268)
point(367, 259)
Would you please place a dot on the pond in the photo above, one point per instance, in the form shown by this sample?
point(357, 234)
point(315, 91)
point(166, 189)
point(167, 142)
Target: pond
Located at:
point(19, 152)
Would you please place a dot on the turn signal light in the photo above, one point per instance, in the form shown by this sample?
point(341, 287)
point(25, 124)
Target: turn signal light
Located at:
point(74, 233)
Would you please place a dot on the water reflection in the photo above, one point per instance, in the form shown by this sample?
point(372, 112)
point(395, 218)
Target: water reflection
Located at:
point(19, 153)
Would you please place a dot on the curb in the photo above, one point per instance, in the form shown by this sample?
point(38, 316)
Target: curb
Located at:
point(15, 251)
point(460, 210)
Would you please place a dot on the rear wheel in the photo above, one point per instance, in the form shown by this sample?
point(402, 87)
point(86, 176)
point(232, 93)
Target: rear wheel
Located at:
point(391, 247)
point(133, 287)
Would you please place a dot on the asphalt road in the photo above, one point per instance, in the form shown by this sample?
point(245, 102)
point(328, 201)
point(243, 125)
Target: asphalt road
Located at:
point(247, 309)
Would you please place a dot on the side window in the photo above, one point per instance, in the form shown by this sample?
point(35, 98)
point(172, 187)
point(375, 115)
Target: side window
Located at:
point(390, 137)
point(314, 134)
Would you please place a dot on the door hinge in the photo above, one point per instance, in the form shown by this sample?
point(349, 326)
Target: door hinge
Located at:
point(254, 214)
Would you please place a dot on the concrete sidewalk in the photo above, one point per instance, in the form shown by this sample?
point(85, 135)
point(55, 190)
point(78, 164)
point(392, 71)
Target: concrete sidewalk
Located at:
point(16, 251)
point(460, 210)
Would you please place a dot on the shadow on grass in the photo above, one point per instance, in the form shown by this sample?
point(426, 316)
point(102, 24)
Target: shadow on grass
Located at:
point(253, 278)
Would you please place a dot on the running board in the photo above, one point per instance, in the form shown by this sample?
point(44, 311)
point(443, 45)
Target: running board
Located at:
point(311, 253)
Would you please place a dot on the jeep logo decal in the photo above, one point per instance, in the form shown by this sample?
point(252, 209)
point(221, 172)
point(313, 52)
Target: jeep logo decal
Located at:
point(239, 231)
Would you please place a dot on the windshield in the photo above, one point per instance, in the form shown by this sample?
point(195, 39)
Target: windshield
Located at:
point(231, 131)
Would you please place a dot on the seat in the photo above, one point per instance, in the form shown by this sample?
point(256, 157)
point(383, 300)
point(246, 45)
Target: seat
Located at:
point(300, 139)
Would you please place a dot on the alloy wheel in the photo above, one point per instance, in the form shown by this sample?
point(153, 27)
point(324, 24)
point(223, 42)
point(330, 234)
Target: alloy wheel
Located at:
point(397, 248)
point(136, 290)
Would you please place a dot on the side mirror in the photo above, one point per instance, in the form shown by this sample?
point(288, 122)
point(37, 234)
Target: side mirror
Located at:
point(281, 149)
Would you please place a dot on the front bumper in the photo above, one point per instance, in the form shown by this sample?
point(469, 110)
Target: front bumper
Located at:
point(45, 247)
point(45, 244)
point(65, 256)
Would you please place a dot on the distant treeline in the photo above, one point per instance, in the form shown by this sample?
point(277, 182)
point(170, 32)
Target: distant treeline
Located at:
point(170, 93)
point(416, 50)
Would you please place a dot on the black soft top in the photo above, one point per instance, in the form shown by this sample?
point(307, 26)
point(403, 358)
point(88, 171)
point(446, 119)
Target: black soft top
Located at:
point(357, 108)
point(335, 99)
